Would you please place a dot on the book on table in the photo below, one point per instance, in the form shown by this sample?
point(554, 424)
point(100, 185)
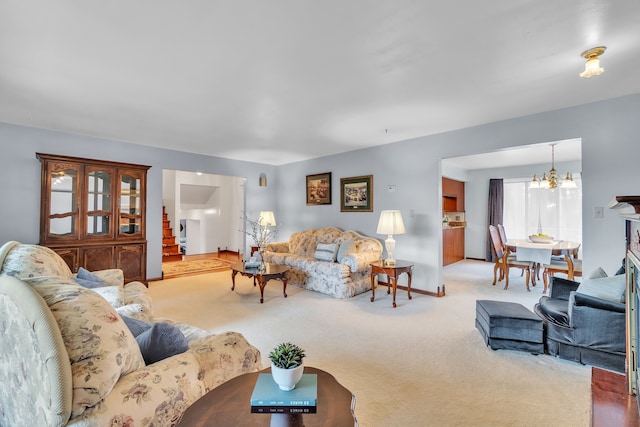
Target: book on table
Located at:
point(269, 399)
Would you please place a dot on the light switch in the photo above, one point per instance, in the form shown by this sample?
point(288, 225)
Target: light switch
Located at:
point(391, 188)
point(598, 212)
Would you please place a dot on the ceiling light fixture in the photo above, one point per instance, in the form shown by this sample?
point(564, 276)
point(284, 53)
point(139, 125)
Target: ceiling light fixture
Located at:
point(552, 181)
point(592, 67)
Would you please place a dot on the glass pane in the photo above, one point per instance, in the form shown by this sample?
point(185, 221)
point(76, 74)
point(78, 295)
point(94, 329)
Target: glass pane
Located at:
point(130, 195)
point(129, 226)
point(556, 212)
point(97, 224)
point(63, 202)
point(98, 202)
point(130, 205)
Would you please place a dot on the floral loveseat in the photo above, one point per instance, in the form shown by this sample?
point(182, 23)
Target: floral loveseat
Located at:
point(327, 260)
point(67, 357)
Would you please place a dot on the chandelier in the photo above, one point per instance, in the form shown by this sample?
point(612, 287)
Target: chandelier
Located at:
point(552, 180)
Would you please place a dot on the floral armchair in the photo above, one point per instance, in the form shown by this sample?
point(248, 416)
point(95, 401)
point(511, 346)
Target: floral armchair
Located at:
point(68, 357)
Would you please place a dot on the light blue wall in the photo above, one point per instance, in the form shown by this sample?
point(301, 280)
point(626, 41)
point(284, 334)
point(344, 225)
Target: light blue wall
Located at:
point(20, 176)
point(610, 151)
point(610, 132)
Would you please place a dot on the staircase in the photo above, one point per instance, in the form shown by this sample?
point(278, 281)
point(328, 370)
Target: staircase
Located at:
point(170, 250)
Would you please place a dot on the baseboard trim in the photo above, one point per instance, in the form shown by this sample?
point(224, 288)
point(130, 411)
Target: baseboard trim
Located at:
point(438, 294)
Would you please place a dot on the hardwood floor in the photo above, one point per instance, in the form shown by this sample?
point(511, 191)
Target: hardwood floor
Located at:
point(612, 405)
point(223, 254)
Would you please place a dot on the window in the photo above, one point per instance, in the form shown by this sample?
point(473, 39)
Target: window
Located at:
point(556, 212)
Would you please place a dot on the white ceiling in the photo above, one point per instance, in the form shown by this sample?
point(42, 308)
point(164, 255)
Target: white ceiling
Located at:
point(562, 151)
point(282, 81)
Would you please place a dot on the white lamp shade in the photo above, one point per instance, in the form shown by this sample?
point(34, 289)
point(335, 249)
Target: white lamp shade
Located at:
point(391, 223)
point(267, 219)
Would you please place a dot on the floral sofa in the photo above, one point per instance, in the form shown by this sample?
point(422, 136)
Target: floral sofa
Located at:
point(327, 260)
point(68, 357)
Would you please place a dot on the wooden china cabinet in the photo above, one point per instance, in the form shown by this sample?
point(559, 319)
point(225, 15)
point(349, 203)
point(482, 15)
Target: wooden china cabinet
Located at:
point(92, 213)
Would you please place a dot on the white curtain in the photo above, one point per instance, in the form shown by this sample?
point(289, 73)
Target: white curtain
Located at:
point(556, 212)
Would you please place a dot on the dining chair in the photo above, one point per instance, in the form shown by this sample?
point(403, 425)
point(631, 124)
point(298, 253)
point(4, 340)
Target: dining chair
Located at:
point(562, 266)
point(503, 235)
point(504, 261)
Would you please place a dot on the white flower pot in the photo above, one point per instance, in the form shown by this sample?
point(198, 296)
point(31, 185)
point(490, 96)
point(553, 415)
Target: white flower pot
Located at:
point(286, 378)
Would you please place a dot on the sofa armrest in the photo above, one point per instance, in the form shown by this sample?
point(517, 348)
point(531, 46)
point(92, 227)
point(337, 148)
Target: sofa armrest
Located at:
point(279, 247)
point(562, 288)
point(157, 394)
point(360, 261)
point(224, 356)
point(598, 328)
point(137, 293)
point(111, 276)
point(599, 303)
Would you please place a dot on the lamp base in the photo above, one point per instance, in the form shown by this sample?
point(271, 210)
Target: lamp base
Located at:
point(389, 262)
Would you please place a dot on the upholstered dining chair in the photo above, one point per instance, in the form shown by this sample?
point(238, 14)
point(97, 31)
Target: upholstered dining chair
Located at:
point(505, 262)
point(503, 235)
point(561, 266)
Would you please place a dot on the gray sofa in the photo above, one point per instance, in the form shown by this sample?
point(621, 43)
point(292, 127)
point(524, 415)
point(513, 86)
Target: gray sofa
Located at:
point(585, 322)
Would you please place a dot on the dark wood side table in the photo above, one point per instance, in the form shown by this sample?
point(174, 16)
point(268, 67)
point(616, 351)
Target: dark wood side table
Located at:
point(392, 272)
point(270, 272)
point(228, 405)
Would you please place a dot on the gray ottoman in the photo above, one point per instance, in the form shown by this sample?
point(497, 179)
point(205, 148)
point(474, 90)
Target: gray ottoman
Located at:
point(509, 326)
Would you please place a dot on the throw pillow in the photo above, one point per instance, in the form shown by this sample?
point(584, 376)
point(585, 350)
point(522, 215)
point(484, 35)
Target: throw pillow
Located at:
point(160, 341)
point(100, 347)
point(135, 326)
point(113, 294)
point(607, 288)
point(347, 247)
point(598, 273)
point(89, 284)
point(326, 252)
point(84, 274)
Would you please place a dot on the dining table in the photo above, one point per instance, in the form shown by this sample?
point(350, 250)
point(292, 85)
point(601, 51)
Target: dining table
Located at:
point(540, 253)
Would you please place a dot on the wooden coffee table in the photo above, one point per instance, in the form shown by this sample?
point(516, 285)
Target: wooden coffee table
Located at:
point(228, 405)
point(268, 272)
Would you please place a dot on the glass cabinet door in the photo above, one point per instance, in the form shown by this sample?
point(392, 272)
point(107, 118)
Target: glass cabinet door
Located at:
point(99, 202)
point(131, 214)
point(63, 201)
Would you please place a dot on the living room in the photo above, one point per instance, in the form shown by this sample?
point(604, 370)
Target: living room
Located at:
point(406, 175)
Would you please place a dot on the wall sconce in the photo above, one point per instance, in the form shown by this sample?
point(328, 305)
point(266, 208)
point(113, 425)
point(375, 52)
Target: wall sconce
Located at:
point(592, 67)
point(262, 181)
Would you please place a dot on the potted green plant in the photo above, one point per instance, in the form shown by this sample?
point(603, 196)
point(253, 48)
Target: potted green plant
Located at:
point(286, 365)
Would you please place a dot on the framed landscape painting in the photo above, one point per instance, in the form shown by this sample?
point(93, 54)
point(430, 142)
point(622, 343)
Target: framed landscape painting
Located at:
point(319, 189)
point(356, 194)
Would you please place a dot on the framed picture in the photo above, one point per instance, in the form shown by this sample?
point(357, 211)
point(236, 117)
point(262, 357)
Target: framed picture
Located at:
point(319, 189)
point(356, 194)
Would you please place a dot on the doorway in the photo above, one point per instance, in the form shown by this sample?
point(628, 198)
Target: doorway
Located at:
point(515, 163)
point(207, 207)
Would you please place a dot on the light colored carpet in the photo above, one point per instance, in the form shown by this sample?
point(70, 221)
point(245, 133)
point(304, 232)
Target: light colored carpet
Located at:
point(420, 364)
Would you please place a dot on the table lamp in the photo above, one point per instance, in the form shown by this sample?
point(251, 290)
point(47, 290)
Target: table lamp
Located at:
point(267, 219)
point(390, 223)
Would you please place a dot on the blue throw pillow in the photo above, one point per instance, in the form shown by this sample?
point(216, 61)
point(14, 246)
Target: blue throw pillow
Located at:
point(84, 274)
point(160, 341)
point(346, 247)
point(326, 252)
point(89, 284)
point(136, 326)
